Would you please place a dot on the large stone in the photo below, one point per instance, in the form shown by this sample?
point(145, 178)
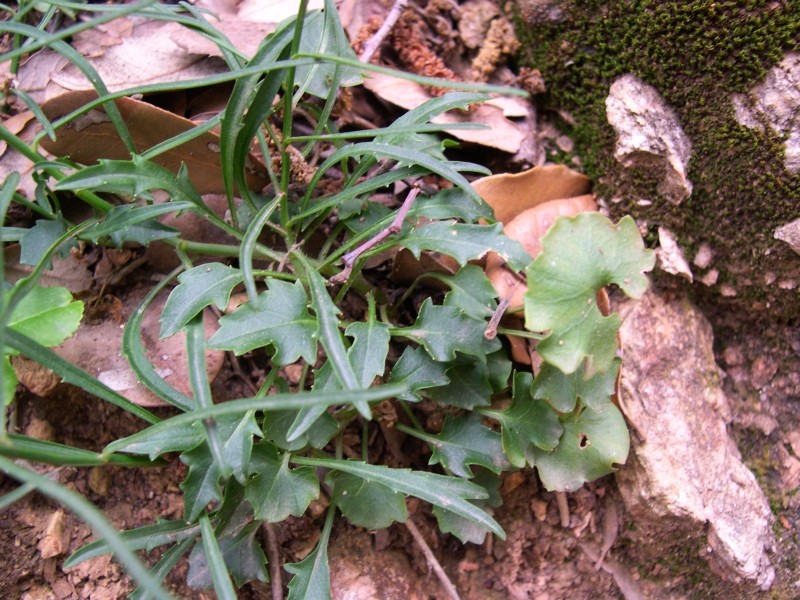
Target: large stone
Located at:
point(649, 135)
point(685, 482)
point(776, 102)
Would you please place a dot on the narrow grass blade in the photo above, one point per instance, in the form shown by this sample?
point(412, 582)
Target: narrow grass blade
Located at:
point(52, 453)
point(216, 562)
point(287, 401)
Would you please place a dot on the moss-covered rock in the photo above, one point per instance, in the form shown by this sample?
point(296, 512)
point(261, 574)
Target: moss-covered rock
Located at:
point(698, 54)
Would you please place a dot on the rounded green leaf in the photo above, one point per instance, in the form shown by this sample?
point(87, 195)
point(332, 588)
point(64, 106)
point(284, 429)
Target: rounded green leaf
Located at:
point(593, 444)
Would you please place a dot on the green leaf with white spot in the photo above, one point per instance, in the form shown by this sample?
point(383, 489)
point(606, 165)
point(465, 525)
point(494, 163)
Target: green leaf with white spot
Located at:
point(365, 503)
point(197, 288)
point(278, 491)
point(464, 441)
point(580, 255)
point(445, 330)
point(279, 318)
point(594, 443)
point(466, 242)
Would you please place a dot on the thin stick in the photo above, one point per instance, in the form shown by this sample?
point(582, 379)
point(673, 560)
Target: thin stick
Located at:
point(274, 560)
point(491, 329)
point(396, 225)
point(376, 40)
point(563, 508)
point(432, 562)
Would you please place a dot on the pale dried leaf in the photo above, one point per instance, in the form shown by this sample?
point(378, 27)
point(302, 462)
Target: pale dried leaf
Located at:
point(502, 133)
point(147, 56)
point(246, 36)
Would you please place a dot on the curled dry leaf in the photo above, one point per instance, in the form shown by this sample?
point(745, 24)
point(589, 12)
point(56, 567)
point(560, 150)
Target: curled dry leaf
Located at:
point(528, 203)
point(509, 194)
point(92, 136)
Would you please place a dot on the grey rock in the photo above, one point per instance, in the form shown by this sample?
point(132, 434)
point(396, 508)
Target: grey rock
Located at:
point(790, 233)
point(775, 103)
point(685, 482)
point(649, 135)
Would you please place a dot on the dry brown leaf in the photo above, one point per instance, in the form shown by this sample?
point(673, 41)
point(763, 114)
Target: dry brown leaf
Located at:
point(510, 194)
point(98, 350)
point(502, 133)
point(70, 272)
point(92, 137)
point(147, 56)
point(25, 127)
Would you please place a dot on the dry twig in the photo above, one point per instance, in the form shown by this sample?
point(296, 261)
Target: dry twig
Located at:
point(376, 40)
point(433, 563)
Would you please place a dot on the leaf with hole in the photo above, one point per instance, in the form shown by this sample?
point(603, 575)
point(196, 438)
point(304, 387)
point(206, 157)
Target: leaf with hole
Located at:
point(593, 444)
point(579, 256)
point(279, 318)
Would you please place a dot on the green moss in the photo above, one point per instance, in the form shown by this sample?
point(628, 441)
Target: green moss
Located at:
point(696, 54)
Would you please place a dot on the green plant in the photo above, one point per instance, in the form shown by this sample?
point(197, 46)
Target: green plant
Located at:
point(260, 459)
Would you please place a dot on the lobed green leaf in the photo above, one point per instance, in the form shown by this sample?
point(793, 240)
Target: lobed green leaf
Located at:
point(579, 256)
